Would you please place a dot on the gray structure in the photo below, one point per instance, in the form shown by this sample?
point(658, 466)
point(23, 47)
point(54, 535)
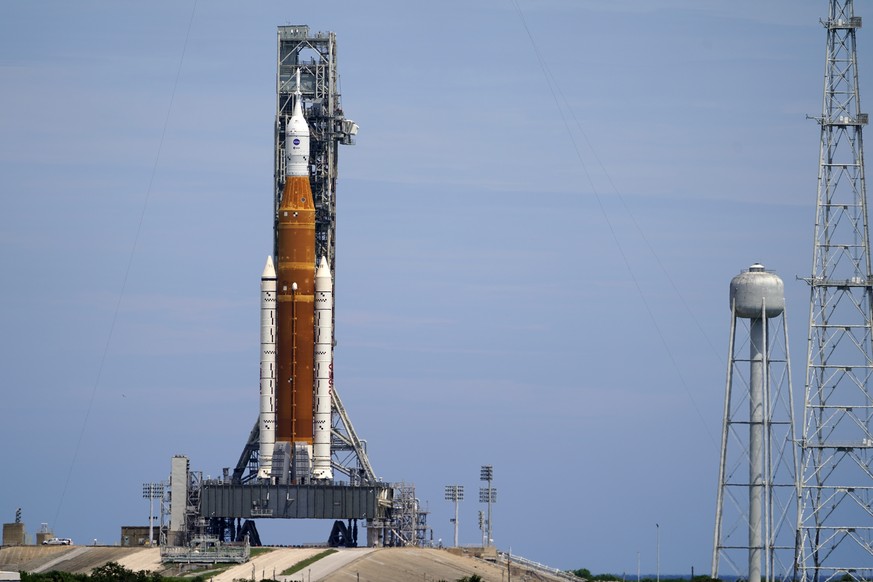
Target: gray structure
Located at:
point(835, 525)
point(406, 521)
point(756, 503)
point(294, 501)
point(202, 509)
point(180, 521)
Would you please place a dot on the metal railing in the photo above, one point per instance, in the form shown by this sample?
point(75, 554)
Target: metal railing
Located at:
point(537, 566)
point(206, 552)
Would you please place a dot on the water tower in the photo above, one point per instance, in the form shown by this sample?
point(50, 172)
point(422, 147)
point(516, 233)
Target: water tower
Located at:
point(756, 503)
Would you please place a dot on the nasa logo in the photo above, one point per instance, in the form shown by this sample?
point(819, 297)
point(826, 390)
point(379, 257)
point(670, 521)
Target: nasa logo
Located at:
point(296, 141)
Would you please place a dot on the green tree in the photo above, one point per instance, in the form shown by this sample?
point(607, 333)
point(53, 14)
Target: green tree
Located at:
point(53, 576)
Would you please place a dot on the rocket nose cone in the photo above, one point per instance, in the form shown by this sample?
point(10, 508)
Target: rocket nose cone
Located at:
point(322, 277)
point(323, 268)
point(269, 269)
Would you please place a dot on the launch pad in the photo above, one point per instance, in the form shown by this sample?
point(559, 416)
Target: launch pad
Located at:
point(303, 438)
point(293, 501)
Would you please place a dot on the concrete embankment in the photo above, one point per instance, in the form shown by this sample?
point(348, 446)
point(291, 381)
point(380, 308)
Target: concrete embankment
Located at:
point(73, 559)
point(351, 565)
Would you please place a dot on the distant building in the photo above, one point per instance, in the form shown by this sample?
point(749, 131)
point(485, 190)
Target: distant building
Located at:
point(136, 535)
point(13, 534)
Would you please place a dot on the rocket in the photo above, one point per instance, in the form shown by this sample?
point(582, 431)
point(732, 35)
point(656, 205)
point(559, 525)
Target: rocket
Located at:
point(295, 283)
point(296, 330)
point(295, 295)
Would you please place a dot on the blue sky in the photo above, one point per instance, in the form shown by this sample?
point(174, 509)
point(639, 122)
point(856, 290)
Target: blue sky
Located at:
point(530, 277)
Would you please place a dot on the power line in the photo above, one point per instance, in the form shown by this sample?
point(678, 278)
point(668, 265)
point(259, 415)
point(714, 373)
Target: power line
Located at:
point(127, 270)
point(555, 91)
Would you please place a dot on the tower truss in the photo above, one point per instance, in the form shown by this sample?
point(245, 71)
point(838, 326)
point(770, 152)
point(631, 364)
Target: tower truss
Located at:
point(315, 55)
point(835, 523)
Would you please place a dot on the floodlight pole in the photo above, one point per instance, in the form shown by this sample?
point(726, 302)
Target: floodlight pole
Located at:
point(487, 474)
point(456, 522)
point(455, 493)
point(151, 491)
point(482, 527)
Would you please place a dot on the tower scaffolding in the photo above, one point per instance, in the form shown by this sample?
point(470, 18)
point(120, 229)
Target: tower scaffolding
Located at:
point(835, 523)
point(315, 55)
point(407, 525)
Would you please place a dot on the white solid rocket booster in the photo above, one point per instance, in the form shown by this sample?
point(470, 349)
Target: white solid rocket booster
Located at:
point(321, 468)
point(267, 417)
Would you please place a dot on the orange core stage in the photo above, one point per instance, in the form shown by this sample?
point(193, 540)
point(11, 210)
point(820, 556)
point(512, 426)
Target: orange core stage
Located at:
point(295, 290)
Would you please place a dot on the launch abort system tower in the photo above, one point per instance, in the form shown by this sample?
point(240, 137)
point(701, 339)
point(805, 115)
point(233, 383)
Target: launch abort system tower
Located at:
point(835, 526)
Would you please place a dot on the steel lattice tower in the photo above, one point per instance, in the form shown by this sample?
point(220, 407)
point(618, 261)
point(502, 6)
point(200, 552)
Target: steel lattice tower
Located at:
point(315, 55)
point(835, 524)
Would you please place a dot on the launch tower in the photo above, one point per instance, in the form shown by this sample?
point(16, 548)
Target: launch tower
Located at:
point(315, 56)
point(312, 57)
point(303, 442)
point(835, 524)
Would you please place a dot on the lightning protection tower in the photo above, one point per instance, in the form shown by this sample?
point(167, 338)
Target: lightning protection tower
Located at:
point(835, 526)
point(756, 505)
